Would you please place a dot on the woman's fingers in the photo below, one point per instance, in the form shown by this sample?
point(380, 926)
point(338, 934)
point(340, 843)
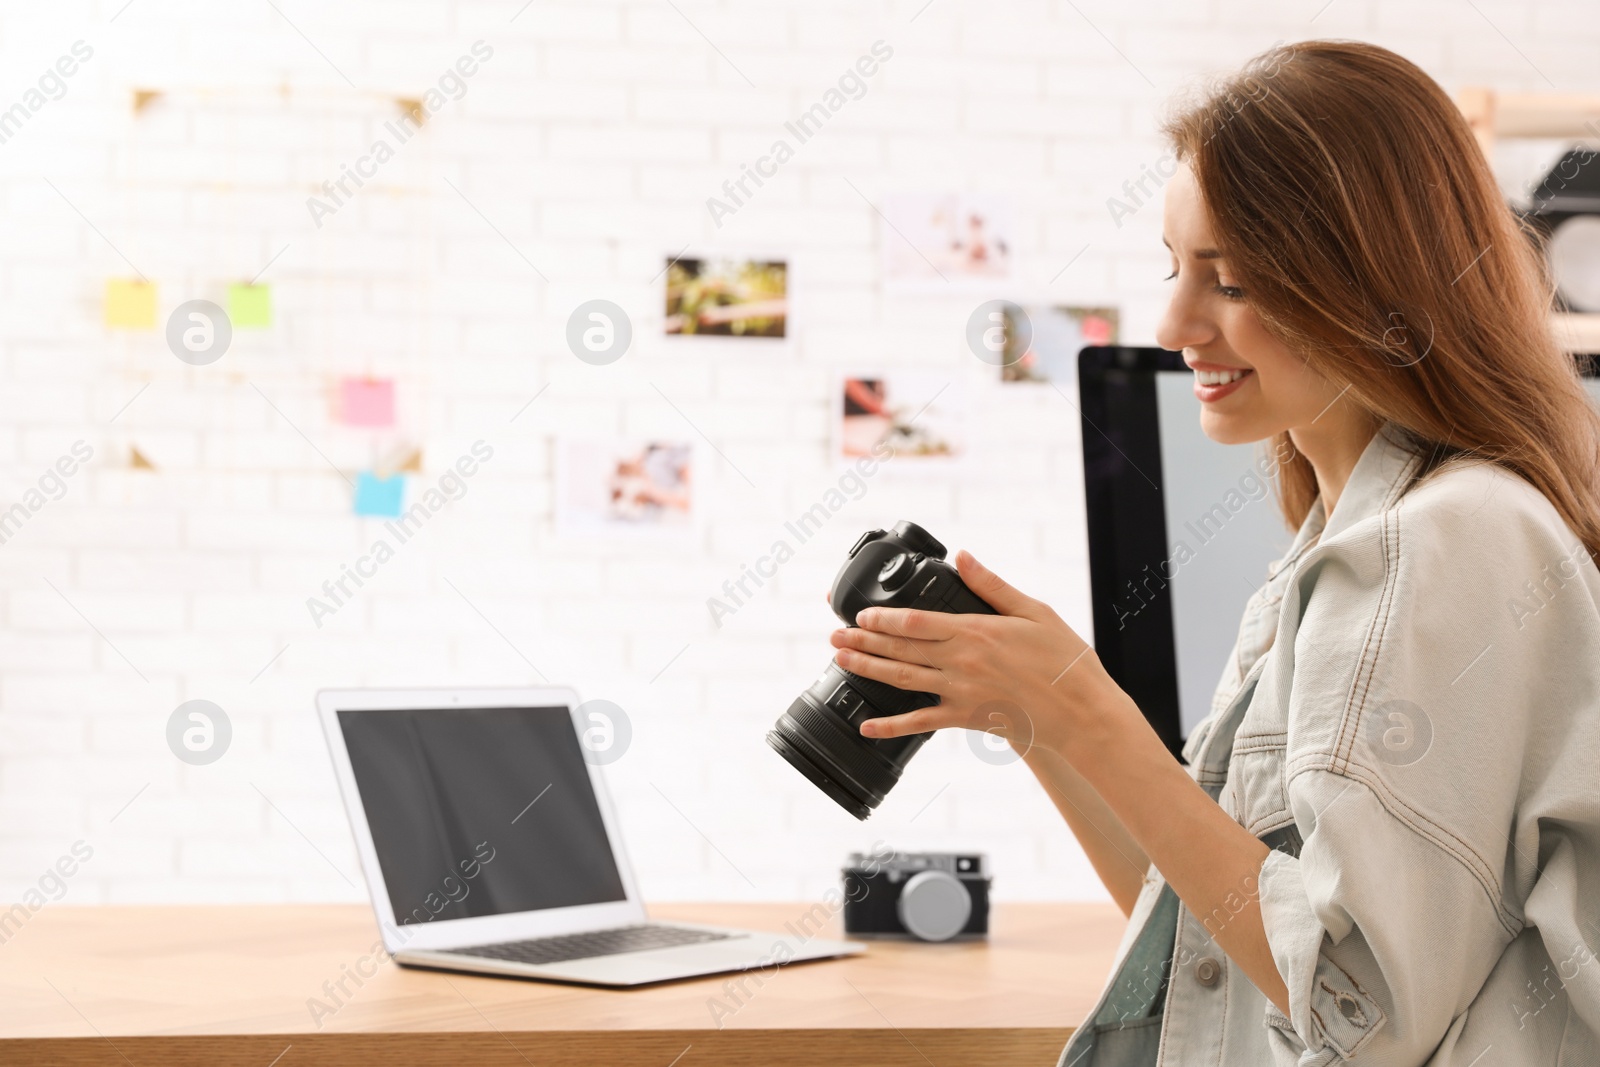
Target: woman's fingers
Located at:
point(897, 673)
point(910, 622)
point(879, 644)
point(994, 590)
point(912, 722)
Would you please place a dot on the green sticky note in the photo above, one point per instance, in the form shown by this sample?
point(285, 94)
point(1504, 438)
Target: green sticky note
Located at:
point(250, 306)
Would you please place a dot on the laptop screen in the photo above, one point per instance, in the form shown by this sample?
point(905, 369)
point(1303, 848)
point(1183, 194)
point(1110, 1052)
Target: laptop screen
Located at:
point(480, 811)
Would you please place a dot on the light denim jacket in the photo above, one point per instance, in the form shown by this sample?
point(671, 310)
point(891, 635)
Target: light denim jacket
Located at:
point(1411, 719)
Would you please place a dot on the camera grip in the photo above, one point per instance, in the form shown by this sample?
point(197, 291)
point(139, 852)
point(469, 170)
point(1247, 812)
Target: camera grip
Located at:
point(963, 601)
point(945, 591)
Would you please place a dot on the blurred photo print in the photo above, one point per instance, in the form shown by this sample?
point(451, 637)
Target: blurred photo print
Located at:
point(915, 413)
point(934, 240)
point(1048, 351)
point(727, 297)
point(624, 488)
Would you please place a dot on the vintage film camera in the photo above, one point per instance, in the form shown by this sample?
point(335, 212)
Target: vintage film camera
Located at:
point(934, 896)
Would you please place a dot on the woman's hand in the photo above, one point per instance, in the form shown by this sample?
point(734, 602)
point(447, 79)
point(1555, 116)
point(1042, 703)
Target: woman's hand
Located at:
point(1023, 674)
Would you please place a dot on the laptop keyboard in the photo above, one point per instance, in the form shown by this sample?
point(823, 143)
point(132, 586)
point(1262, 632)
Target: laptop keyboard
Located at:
point(638, 938)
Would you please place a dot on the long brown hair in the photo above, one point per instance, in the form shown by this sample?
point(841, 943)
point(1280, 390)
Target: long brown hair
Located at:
point(1359, 213)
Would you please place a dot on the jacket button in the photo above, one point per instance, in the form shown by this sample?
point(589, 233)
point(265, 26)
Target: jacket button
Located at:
point(1207, 971)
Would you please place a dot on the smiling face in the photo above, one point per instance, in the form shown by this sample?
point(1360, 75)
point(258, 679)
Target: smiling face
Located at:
point(1251, 386)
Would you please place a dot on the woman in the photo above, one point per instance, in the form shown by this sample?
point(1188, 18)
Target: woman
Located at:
point(1384, 847)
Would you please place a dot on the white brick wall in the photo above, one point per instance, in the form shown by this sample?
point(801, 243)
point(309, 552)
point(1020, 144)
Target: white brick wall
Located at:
point(591, 140)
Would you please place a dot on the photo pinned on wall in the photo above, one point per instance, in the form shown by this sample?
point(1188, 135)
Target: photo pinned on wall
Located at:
point(920, 415)
point(1057, 335)
point(935, 240)
point(642, 488)
point(727, 297)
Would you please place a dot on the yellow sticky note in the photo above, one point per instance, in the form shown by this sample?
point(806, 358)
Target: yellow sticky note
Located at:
point(250, 306)
point(130, 303)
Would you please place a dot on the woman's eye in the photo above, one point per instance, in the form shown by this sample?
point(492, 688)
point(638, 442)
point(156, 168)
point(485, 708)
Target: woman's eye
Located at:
point(1171, 276)
point(1232, 292)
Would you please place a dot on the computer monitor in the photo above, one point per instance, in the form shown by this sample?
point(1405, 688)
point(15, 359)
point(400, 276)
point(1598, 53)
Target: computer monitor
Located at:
point(1181, 530)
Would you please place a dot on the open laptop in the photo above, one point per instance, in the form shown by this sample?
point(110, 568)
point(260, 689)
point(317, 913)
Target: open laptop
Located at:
point(1153, 482)
point(490, 846)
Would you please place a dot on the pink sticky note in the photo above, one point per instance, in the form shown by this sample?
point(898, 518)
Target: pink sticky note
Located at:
point(366, 402)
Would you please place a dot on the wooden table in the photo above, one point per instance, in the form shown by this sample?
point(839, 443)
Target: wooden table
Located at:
point(224, 985)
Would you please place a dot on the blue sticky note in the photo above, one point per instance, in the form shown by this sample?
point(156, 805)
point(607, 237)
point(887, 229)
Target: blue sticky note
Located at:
point(377, 496)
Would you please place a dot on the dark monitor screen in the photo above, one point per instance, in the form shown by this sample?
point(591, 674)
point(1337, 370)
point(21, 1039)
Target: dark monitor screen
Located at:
point(1181, 531)
point(480, 811)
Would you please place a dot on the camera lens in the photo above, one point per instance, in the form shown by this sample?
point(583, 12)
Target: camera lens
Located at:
point(820, 735)
point(934, 905)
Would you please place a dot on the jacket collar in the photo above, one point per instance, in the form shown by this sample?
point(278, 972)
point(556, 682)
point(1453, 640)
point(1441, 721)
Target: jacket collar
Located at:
point(1386, 469)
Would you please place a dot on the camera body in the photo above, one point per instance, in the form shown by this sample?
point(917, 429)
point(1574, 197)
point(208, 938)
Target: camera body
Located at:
point(933, 896)
point(820, 734)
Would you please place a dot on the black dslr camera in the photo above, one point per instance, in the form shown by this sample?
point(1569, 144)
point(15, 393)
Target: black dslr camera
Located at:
point(933, 896)
point(821, 732)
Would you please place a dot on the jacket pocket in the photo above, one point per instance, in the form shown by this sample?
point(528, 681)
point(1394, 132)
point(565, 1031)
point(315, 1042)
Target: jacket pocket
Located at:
point(1256, 787)
point(1257, 795)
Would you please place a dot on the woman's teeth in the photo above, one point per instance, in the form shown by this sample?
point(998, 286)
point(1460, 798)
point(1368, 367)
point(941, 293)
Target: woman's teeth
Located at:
point(1219, 377)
